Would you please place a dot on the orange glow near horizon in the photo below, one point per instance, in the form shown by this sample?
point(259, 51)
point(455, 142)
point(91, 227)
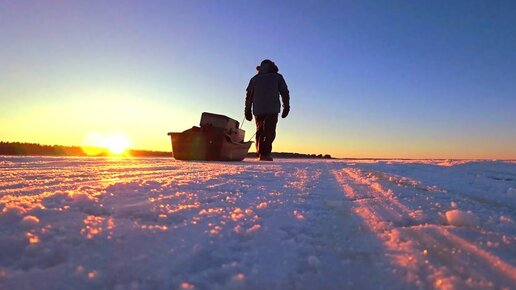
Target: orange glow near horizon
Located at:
point(96, 143)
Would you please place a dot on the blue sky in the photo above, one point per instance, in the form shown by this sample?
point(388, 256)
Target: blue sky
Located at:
point(367, 79)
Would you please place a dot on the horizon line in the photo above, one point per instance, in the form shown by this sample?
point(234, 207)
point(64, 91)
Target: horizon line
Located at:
point(278, 152)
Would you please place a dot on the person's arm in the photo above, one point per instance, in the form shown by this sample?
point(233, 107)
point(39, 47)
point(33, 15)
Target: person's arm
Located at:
point(249, 101)
point(285, 96)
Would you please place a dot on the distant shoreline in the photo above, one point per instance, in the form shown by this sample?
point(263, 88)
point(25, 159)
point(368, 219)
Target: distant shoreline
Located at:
point(35, 149)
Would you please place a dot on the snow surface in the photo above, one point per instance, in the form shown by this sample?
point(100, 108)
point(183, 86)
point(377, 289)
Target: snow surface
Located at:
point(157, 223)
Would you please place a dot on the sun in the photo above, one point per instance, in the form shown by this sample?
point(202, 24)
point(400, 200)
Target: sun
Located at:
point(95, 144)
point(116, 144)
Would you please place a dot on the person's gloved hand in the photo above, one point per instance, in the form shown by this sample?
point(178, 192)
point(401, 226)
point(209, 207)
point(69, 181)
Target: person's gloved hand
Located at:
point(286, 110)
point(248, 115)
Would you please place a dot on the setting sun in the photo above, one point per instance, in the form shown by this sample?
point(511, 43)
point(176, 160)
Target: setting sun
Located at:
point(96, 143)
point(116, 144)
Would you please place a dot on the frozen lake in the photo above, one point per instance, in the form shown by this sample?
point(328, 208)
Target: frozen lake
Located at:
point(157, 223)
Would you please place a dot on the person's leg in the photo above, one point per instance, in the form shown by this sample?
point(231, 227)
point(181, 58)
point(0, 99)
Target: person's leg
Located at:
point(259, 119)
point(269, 134)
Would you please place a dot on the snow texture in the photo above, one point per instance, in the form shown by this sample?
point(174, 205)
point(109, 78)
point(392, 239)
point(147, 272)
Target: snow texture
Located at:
point(156, 223)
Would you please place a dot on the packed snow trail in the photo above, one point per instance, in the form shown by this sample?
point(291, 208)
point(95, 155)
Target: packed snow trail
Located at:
point(156, 223)
point(433, 253)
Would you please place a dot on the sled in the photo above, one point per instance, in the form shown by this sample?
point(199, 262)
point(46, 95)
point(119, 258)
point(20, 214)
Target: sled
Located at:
point(218, 138)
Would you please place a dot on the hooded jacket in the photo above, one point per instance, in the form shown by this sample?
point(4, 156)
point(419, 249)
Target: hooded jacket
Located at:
point(264, 90)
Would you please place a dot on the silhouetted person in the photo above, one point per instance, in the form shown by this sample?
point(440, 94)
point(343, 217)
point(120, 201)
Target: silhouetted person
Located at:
point(263, 93)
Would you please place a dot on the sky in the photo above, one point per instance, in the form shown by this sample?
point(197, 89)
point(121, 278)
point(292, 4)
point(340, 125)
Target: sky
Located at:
point(382, 79)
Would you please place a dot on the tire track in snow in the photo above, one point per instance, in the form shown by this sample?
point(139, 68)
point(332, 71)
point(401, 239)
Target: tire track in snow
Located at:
point(329, 246)
point(459, 263)
point(433, 256)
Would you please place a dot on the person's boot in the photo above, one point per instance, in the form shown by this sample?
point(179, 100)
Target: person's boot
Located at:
point(267, 157)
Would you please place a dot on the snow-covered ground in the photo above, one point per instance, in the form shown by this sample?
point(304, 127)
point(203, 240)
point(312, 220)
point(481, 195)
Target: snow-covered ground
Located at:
point(151, 223)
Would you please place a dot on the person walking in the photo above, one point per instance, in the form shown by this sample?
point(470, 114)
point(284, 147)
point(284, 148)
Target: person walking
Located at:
point(263, 101)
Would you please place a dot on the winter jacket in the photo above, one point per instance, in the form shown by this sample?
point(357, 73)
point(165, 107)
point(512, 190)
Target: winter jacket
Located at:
point(264, 90)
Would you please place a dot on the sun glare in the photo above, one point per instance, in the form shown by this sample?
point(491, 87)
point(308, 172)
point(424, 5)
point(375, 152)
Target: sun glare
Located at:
point(97, 144)
point(116, 144)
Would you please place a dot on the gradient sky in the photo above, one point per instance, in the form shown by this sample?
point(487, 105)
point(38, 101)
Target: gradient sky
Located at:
point(416, 79)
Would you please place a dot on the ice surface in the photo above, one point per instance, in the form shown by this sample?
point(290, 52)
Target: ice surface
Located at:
point(156, 223)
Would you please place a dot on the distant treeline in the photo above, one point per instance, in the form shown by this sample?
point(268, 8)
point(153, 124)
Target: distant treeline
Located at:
point(294, 155)
point(19, 148)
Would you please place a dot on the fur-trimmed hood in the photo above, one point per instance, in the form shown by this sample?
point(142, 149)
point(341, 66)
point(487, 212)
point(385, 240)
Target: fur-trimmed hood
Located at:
point(267, 66)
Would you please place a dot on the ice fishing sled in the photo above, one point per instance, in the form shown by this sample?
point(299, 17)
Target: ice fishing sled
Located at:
point(218, 138)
